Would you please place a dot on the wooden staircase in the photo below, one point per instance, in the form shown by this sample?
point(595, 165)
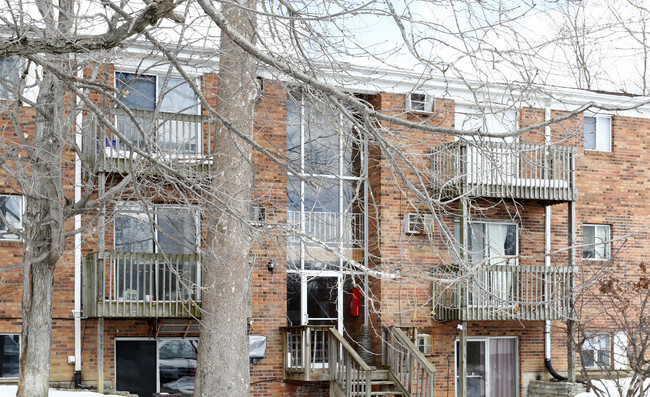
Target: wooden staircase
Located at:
point(314, 353)
point(384, 384)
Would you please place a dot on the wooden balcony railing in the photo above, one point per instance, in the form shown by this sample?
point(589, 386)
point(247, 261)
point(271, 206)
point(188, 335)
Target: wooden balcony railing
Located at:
point(122, 284)
point(169, 137)
point(412, 369)
point(503, 292)
point(305, 352)
point(503, 169)
point(318, 353)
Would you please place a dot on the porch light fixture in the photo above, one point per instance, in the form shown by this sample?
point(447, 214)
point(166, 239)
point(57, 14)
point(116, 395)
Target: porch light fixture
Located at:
point(271, 266)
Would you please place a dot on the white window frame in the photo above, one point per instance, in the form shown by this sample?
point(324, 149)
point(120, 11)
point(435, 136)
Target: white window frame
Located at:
point(418, 223)
point(3, 232)
point(424, 343)
point(420, 102)
point(595, 245)
point(486, 240)
point(602, 132)
point(592, 342)
point(19, 352)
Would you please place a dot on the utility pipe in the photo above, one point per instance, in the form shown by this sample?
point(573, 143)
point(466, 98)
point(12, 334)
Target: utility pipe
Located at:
point(76, 313)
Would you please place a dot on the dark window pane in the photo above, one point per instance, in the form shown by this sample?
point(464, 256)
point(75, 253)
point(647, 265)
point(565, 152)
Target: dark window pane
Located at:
point(177, 365)
point(136, 91)
point(133, 233)
point(293, 299)
point(10, 350)
point(176, 231)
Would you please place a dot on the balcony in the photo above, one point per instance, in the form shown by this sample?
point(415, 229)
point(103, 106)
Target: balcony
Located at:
point(171, 138)
point(502, 292)
point(122, 284)
point(326, 228)
point(504, 170)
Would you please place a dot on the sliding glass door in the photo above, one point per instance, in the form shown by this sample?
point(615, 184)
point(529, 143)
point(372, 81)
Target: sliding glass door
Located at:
point(492, 369)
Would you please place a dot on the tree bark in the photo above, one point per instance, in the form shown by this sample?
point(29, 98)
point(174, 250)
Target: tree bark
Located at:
point(44, 237)
point(223, 364)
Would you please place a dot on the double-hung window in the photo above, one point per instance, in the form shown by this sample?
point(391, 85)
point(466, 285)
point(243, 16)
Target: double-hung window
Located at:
point(173, 128)
point(9, 77)
point(598, 133)
point(596, 242)
point(597, 350)
point(157, 243)
point(11, 218)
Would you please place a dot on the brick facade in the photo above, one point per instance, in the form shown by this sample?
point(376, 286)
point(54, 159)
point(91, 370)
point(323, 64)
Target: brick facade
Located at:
point(612, 191)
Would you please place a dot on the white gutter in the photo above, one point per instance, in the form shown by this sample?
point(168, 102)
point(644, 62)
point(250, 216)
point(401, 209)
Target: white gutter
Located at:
point(547, 245)
point(77, 248)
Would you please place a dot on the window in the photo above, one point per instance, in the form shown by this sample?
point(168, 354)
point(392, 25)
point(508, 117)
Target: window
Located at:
point(419, 103)
point(598, 133)
point(495, 241)
point(174, 130)
point(596, 241)
point(9, 76)
point(495, 246)
point(11, 207)
point(597, 350)
point(152, 276)
point(491, 367)
point(173, 230)
point(424, 343)
point(417, 223)
point(10, 350)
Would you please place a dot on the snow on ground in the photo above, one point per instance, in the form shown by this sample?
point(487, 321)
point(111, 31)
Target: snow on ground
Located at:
point(608, 388)
point(10, 391)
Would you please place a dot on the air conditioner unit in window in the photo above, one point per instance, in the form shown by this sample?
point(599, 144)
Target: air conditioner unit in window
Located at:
point(419, 103)
point(258, 215)
point(418, 223)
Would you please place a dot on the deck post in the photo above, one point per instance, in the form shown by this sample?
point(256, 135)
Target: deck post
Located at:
point(462, 327)
point(100, 355)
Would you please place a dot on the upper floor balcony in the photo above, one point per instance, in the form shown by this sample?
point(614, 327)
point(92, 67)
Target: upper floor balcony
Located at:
point(130, 284)
point(318, 228)
point(503, 292)
point(503, 169)
point(172, 138)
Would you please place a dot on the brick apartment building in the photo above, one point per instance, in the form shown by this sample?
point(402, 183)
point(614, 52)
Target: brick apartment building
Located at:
point(424, 238)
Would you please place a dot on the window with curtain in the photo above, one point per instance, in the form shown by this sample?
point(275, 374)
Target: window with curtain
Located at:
point(492, 369)
point(596, 241)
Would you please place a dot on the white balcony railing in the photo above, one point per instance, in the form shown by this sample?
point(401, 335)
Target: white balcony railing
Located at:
point(328, 228)
point(504, 169)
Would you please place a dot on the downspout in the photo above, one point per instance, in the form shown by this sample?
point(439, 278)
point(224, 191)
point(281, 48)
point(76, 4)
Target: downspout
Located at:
point(77, 250)
point(547, 261)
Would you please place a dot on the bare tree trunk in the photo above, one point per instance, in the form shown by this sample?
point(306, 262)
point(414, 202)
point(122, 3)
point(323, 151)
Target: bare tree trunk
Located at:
point(223, 365)
point(44, 237)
